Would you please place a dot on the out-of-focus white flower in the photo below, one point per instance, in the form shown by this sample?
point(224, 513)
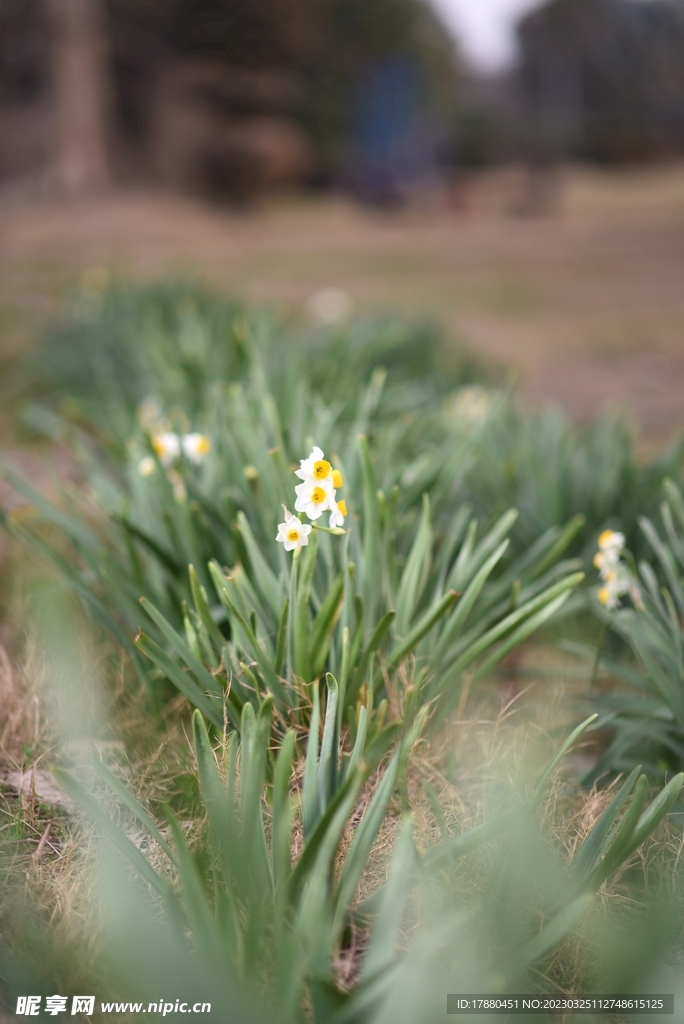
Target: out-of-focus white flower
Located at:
point(147, 466)
point(314, 499)
point(615, 575)
point(617, 582)
point(610, 544)
point(611, 541)
point(293, 534)
point(338, 510)
point(470, 405)
point(329, 305)
point(167, 447)
point(196, 447)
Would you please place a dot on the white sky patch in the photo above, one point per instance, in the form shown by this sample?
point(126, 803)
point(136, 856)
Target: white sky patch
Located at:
point(485, 28)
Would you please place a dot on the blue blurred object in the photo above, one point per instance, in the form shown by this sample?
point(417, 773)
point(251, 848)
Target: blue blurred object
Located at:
point(393, 147)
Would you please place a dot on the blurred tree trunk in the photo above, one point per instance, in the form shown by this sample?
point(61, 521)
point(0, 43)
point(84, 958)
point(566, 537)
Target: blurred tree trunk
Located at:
point(82, 95)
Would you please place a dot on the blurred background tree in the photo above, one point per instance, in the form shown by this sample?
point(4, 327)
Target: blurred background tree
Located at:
point(604, 79)
point(225, 97)
point(230, 98)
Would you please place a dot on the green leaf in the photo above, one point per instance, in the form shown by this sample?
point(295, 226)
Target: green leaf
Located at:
point(204, 678)
point(302, 627)
point(132, 804)
point(281, 644)
point(264, 577)
point(553, 933)
point(255, 734)
point(199, 596)
point(272, 681)
point(281, 829)
point(592, 847)
point(510, 621)
point(324, 625)
point(466, 602)
point(181, 680)
point(416, 570)
point(655, 812)
point(311, 805)
point(200, 917)
point(327, 769)
point(423, 627)
point(381, 951)
point(516, 638)
point(371, 533)
point(367, 830)
point(538, 790)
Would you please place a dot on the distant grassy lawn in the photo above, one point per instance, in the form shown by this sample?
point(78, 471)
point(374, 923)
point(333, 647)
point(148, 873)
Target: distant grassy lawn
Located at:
point(586, 307)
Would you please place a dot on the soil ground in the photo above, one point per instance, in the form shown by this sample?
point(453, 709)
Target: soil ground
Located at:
point(585, 305)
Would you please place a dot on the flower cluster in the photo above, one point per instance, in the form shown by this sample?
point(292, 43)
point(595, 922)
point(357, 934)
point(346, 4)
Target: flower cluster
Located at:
point(315, 495)
point(615, 576)
point(169, 446)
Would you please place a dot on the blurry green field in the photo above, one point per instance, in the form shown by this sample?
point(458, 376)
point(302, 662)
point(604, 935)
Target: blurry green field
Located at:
point(585, 306)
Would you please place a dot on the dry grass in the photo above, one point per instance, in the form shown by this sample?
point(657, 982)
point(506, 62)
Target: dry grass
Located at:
point(477, 764)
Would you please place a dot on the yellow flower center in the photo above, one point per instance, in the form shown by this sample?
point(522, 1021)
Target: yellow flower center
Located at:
point(603, 595)
point(342, 506)
point(322, 469)
point(159, 446)
point(318, 495)
point(337, 479)
point(605, 538)
point(203, 445)
point(293, 535)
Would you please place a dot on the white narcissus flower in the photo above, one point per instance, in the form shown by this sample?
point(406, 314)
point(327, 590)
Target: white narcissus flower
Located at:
point(313, 498)
point(315, 468)
point(338, 510)
point(293, 534)
point(167, 447)
point(195, 447)
point(147, 466)
point(317, 494)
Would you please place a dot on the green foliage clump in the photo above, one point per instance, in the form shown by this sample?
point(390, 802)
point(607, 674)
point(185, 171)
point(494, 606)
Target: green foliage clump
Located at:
point(259, 924)
point(313, 674)
point(646, 715)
